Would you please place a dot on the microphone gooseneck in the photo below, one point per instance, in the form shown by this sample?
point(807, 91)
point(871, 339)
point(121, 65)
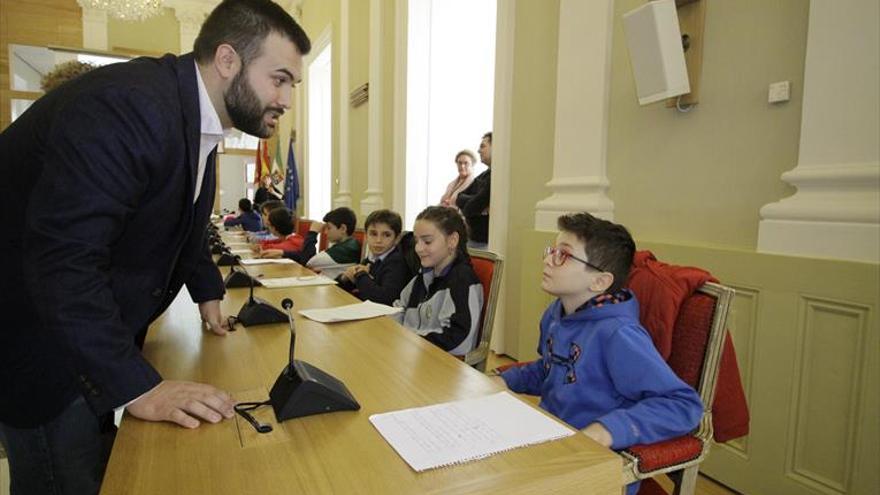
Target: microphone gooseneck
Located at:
point(287, 304)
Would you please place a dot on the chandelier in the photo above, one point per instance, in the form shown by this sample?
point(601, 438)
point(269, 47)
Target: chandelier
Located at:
point(126, 10)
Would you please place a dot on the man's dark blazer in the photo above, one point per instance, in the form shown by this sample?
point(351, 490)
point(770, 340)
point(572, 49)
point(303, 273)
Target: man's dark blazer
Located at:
point(99, 233)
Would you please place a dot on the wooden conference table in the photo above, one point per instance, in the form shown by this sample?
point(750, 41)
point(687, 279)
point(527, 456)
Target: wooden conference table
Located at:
point(385, 366)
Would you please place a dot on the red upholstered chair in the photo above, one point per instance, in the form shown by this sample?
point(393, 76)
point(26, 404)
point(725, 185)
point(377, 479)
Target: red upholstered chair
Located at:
point(488, 267)
point(697, 341)
point(303, 226)
point(360, 235)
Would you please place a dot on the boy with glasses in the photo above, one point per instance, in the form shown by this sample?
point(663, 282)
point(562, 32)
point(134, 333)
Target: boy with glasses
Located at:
point(599, 370)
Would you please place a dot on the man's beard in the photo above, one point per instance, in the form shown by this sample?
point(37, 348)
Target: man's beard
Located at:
point(245, 109)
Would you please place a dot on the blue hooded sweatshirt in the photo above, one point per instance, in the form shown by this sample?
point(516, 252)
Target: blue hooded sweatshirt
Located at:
point(599, 364)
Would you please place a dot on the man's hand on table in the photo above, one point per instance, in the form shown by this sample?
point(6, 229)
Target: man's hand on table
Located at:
point(183, 403)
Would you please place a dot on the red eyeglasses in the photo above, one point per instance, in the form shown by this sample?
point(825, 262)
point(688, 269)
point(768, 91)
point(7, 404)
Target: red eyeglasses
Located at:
point(558, 257)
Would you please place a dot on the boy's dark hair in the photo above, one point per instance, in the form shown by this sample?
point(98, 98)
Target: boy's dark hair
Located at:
point(244, 24)
point(282, 220)
point(488, 136)
point(448, 220)
point(342, 216)
point(244, 205)
point(388, 217)
point(271, 205)
point(608, 245)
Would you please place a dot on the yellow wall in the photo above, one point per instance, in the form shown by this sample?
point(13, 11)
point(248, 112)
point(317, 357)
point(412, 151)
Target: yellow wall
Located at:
point(49, 22)
point(701, 177)
point(155, 36)
point(317, 16)
point(388, 46)
point(531, 164)
point(358, 118)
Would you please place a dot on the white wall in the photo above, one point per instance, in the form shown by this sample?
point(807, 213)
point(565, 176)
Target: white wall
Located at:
point(232, 180)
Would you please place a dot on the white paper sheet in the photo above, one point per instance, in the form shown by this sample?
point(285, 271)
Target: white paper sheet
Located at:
point(268, 261)
point(241, 251)
point(304, 281)
point(462, 431)
point(359, 311)
point(331, 271)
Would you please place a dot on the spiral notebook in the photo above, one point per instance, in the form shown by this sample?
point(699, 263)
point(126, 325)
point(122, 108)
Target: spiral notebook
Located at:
point(457, 432)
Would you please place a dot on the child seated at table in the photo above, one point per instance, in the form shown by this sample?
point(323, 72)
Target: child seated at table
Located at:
point(247, 218)
point(383, 273)
point(265, 209)
point(599, 370)
point(443, 302)
point(281, 226)
point(338, 226)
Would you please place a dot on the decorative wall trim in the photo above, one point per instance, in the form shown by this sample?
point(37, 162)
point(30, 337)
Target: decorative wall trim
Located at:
point(810, 430)
point(834, 212)
point(343, 191)
point(582, 101)
point(373, 199)
point(505, 30)
point(398, 198)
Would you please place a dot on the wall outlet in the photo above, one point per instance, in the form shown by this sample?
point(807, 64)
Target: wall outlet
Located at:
point(779, 92)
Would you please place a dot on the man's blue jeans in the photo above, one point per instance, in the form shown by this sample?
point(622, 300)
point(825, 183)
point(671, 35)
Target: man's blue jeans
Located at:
point(67, 455)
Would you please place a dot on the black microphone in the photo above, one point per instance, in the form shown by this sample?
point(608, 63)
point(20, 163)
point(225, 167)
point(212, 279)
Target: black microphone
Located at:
point(303, 389)
point(256, 311)
point(238, 277)
point(287, 304)
point(226, 258)
point(251, 295)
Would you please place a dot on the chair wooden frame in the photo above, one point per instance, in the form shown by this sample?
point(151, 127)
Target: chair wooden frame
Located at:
point(685, 482)
point(477, 357)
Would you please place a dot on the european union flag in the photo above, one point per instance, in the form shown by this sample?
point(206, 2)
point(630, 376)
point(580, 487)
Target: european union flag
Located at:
point(291, 180)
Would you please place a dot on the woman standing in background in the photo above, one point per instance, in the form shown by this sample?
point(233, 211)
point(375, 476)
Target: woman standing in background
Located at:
point(464, 160)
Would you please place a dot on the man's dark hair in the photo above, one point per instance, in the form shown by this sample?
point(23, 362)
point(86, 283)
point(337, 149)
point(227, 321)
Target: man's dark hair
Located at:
point(244, 205)
point(244, 25)
point(488, 136)
point(342, 216)
point(388, 217)
point(282, 220)
point(608, 245)
point(271, 205)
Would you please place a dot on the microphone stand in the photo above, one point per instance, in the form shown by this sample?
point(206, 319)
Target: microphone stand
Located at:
point(256, 311)
point(238, 278)
point(302, 389)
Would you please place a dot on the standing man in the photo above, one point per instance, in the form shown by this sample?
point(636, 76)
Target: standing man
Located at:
point(474, 201)
point(105, 200)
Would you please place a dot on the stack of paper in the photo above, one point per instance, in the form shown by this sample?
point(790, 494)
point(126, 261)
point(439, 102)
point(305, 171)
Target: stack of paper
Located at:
point(466, 430)
point(306, 281)
point(268, 261)
point(359, 311)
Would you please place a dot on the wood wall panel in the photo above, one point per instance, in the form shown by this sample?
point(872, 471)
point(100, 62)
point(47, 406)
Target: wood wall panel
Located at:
point(826, 399)
point(808, 347)
point(38, 23)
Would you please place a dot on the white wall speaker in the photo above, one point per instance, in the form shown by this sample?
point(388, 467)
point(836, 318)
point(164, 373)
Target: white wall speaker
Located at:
point(655, 51)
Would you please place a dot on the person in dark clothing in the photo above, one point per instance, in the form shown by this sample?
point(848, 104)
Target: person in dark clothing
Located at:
point(383, 273)
point(474, 201)
point(267, 191)
point(120, 179)
point(247, 217)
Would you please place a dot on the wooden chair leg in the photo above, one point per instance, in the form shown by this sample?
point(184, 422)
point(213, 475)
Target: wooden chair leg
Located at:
point(686, 481)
